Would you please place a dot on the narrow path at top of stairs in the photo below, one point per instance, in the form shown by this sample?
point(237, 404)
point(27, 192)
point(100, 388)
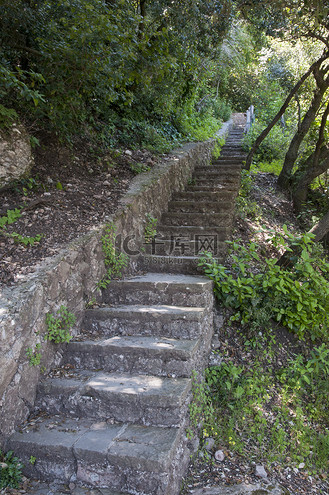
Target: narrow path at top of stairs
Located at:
point(115, 419)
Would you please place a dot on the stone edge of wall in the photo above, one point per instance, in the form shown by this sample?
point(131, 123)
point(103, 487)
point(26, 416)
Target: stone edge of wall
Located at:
point(70, 279)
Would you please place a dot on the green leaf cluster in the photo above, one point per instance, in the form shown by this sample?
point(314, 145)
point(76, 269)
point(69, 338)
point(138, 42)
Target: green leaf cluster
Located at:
point(259, 290)
point(97, 68)
point(10, 470)
point(115, 262)
point(59, 325)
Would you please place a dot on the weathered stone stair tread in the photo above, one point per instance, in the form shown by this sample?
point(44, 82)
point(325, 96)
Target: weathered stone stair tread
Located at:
point(149, 310)
point(220, 167)
point(192, 230)
point(220, 196)
point(217, 174)
point(228, 187)
point(130, 458)
point(200, 207)
point(174, 264)
point(140, 399)
point(170, 247)
point(135, 354)
point(195, 218)
point(160, 288)
point(159, 320)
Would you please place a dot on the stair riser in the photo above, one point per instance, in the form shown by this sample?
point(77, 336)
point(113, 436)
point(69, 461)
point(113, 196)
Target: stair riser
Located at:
point(171, 264)
point(215, 176)
point(172, 295)
point(202, 219)
point(185, 328)
point(231, 188)
point(221, 166)
point(201, 197)
point(117, 407)
point(193, 207)
point(140, 361)
point(130, 473)
point(176, 247)
point(192, 233)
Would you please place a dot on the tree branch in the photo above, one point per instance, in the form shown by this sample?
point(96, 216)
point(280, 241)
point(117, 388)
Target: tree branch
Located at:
point(294, 90)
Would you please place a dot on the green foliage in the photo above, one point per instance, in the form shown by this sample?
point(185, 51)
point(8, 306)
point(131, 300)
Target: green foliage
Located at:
point(245, 206)
point(150, 228)
point(298, 298)
point(11, 217)
point(34, 356)
point(59, 325)
point(25, 240)
point(114, 262)
point(32, 460)
point(10, 470)
point(138, 168)
point(274, 146)
point(217, 148)
point(7, 117)
point(273, 167)
point(264, 411)
point(108, 72)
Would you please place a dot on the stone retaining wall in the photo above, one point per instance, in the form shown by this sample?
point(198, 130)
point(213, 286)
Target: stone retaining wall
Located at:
point(70, 279)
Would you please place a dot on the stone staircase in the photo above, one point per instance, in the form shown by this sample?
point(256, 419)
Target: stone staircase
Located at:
point(117, 414)
point(201, 217)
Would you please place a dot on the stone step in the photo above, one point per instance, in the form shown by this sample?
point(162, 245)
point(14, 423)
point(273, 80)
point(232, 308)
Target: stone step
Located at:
point(135, 354)
point(189, 232)
point(221, 196)
point(159, 288)
point(119, 397)
point(158, 320)
point(216, 181)
point(172, 264)
point(217, 173)
point(203, 219)
point(182, 246)
point(229, 187)
point(221, 165)
point(123, 457)
point(199, 207)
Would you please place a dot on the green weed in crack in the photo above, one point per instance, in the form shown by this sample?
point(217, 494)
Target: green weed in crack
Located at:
point(10, 470)
point(115, 262)
point(59, 325)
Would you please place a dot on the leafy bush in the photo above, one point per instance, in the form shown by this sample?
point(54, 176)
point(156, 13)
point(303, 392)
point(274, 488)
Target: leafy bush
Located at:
point(59, 325)
point(10, 470)
point(274, 146)
point(115, 262)
point(259, 290)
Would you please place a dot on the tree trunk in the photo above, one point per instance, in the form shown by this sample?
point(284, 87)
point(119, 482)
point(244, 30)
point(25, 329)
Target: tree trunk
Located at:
point(299, 193)
point(142, 6)
point(316, 164)
point(292, 93)
point(321, 228)
point(292, 153)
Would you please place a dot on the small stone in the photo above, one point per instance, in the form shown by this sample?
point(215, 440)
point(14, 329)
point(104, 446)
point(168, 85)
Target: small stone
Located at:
point(71, 486)
point(128, 152)
point(219, 455)
point(260, 471)
point(295, 470)
point(301, 465)
point(209, 443)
